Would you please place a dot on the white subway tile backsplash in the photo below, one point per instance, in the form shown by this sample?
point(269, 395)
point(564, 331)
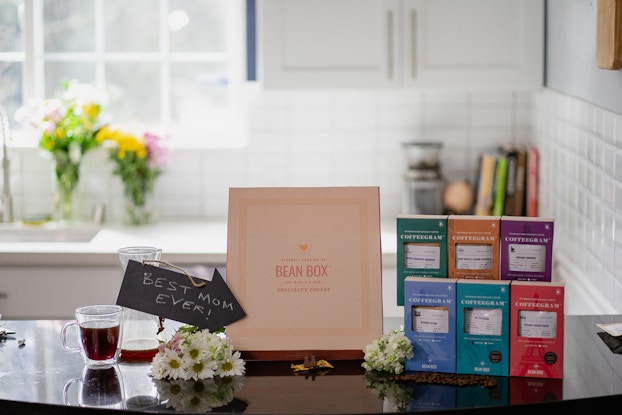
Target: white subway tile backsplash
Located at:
point(444, 98)
point(492, 98)
point(440, 114)
point(607, 258)
point(310, 98)
point(587, 203)
point(364, 141)
point(608, 127)
point(617, 282)
point(268, 169)
point(269, 142)
point(492, 115)
point(351, 138)
point(490, 136)
point(391, 97)
point(609, 152)
point(356, 117)
point(401, 117)
point(617, 130)
point(311, 118)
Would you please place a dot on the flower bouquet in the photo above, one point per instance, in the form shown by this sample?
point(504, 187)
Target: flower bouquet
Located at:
point(198, 395)
point(139, 157)
point(398, 394)
point(389, 353)
point(197, 354)
point(197, 370)
point(385, 358)
point(67, 126)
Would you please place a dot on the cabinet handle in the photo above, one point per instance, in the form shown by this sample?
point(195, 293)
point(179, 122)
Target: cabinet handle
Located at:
point(390, 44)
point(413, 44)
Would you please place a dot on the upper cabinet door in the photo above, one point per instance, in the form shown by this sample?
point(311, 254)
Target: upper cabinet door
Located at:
point(401, 43)
point(328, 43)
point(473, 44)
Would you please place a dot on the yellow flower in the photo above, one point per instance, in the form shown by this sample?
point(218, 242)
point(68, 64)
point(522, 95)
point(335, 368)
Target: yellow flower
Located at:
point(138, 157)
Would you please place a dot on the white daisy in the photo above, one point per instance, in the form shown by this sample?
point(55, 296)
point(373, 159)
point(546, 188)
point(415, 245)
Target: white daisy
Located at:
point(171, 365)
point(233, 366)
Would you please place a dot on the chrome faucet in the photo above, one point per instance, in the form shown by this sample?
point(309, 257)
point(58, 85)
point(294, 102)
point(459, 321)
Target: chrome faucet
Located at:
point(6, 202)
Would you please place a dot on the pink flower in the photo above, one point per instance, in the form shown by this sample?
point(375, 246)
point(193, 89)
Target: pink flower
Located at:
point(157, 150)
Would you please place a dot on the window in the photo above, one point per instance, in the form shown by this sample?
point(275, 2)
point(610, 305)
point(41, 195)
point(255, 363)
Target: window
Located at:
point(176, 65)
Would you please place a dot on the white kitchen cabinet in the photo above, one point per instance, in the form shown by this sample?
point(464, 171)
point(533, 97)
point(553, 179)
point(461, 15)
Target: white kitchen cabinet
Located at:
point(307, 44)
point(30, 292)
point(327, 43)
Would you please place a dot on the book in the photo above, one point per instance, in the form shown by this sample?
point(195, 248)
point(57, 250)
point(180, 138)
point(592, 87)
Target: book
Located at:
point(510, 182)
point(305, 264)
point(537, 329)
point(485, 182)
point(473, 247)
point(501, 169)
point(483, 327)
point(526, 251)
point(533, 159)
point(614, 329)
point(421, 248)
point(430, 323)
point(520, 182)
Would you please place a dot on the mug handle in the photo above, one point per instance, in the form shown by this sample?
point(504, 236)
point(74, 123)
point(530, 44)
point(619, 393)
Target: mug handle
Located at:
point(63, 336)
point(66, 390)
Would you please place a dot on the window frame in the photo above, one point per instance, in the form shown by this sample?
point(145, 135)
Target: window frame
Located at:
point(233, 134)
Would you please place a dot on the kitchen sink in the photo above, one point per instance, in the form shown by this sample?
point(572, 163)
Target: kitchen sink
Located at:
point(48, 232)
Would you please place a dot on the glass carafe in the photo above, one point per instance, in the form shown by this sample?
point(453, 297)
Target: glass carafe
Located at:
point(140, 330)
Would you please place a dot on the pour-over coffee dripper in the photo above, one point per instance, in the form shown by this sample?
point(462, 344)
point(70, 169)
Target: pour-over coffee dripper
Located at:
point(140, 330)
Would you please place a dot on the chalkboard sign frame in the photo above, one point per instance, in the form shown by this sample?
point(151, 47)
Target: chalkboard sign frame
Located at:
point(169, 294)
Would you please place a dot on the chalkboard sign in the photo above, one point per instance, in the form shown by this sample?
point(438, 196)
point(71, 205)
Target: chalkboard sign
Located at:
point(166, 293)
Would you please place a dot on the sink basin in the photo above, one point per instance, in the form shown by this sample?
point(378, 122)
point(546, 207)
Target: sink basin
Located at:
point(50, 232)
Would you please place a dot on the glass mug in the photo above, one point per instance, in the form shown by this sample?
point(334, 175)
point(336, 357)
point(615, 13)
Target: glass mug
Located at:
point(140, 334)
point(139, 390)
point(100, 387)
point(99, 332)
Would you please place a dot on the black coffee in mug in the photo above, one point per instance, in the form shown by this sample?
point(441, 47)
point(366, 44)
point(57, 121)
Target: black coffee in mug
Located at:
point(100, 339)
point(101, 387)
point(98, 331)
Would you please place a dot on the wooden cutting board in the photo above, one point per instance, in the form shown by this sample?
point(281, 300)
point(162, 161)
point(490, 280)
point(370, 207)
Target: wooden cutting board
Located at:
point(609, 34)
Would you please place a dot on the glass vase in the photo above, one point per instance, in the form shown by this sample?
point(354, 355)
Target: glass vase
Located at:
point(139, 211)
point(67, 174)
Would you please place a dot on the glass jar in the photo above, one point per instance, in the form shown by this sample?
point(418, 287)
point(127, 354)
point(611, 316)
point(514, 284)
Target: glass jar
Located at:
point(423, 193)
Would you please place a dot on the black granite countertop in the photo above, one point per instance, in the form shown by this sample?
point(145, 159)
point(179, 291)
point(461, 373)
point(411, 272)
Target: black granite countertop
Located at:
point(41, 378)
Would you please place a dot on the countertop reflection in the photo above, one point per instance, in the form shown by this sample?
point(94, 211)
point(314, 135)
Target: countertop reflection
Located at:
point(39, 377)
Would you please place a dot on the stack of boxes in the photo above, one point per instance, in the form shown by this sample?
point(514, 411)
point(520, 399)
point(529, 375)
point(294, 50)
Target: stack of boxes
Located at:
point(478, 296)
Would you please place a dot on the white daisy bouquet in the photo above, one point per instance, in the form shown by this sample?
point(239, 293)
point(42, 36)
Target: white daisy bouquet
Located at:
point(197, 354)
point(389, 353)
point(397, 394)
point(198, 395)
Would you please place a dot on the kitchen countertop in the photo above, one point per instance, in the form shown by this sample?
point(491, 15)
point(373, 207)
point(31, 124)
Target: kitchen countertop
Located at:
point(188, 242)
point(34, 380)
